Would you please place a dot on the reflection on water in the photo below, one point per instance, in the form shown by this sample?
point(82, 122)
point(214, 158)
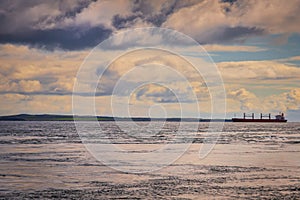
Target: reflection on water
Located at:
point(48, 160)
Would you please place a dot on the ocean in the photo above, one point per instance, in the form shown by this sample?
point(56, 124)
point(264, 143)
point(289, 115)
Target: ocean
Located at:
point(48, 160)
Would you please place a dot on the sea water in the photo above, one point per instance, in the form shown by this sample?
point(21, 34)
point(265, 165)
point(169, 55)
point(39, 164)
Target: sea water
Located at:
point(250, 160)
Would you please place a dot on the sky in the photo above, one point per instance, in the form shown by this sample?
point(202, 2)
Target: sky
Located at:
point(254, 44)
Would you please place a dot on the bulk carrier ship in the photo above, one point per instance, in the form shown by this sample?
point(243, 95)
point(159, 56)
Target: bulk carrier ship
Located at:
point(263, 118)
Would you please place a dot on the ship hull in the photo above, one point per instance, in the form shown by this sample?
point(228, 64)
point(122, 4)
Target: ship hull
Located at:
point(259, 120)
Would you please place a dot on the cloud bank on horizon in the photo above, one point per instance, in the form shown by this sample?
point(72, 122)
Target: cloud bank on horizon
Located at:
point(255, 45)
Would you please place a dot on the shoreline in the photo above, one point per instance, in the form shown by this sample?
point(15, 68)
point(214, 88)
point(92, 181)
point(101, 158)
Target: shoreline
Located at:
point(49, 117)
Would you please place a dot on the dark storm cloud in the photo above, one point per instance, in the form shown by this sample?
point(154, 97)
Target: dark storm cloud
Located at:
point(120, 22)
point(41, 23)
point(150, 13)
point(155, 17)
point(35, 23)
point(229, 34)
point(150, 37)
point(168, 8)
point(238, 33)
point(71, 39)
point(58, 93)
point(16, 15)
point(229, 1)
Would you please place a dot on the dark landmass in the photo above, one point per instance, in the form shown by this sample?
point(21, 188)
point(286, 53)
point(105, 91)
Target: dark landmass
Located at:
point(48, 117)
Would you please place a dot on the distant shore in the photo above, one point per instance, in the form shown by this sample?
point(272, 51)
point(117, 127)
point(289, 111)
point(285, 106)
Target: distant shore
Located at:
point(49, 117)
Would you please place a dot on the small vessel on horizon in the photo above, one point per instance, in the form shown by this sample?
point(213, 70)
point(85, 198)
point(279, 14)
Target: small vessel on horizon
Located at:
point(278, 118)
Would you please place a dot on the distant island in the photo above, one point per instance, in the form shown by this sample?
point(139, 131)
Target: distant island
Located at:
point(49, 117)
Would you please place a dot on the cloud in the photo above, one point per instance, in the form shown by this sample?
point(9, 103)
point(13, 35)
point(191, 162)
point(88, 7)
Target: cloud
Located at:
point(231, 48)
point(247, 100)
point(100, 13)
point(155, 93)
point(43, 44)
point(244, 100)
point(150, 66)
point(276, 17)
point(219, 21)
point(80, 24)
point(71, 39)
point(41, 24)
point(28, 72)
point(293, 58)
point(261, 86)
point(21, 86)
point(286, 101)
point(273, 71)
point(152, 13)
point(208, 22)
point(32, 71)
point(17, 16)
point(19, 103)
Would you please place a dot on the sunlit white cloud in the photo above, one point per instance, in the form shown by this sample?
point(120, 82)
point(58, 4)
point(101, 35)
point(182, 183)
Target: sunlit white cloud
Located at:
point(231, 48)
point(244, 100)
point(259, 71)
point(289, 59)
point(29, 70)
point(25, 78)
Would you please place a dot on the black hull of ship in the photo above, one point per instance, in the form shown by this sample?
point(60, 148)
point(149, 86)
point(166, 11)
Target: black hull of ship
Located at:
point(259, 120)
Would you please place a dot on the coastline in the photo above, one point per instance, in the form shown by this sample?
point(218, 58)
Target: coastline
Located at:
point(50, 117)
